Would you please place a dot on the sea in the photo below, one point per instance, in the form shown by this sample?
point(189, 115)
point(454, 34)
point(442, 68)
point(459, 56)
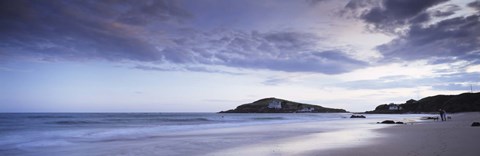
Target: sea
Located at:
point(33, 131)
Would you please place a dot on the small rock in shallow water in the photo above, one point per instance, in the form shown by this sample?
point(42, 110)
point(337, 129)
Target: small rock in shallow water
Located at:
point(357, 116)
point(475, 124)
point(388, 122)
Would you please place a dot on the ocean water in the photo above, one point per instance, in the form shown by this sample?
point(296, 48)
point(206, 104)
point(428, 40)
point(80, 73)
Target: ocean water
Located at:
point(55, 129)
point(37, 131)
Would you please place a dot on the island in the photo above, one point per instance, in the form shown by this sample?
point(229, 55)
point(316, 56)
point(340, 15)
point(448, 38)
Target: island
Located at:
point(275, 105)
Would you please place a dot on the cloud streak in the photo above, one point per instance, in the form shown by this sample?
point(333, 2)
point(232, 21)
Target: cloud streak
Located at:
point(455, 81)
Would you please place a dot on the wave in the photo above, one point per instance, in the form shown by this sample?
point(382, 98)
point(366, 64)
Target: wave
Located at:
point(185, 119)
point(154, 120)
point(48, 116)
point(269, 118)
point(75, 122)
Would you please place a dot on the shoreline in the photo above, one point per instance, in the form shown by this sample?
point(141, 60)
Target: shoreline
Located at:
point(264, 139)
point(451, 137)
point(352, 134)
point(331, 137)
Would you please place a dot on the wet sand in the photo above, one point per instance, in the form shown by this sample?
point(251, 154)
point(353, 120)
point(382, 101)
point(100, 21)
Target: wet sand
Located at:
point(434, 138)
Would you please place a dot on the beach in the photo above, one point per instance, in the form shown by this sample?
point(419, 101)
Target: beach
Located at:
point(423, 138)
point(262, 134)
point(452, 137)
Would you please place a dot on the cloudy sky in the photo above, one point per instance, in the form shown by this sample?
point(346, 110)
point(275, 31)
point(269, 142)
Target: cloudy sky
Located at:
point(212, 55)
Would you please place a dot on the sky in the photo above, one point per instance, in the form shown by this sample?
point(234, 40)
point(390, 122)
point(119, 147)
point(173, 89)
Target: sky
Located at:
point(213, 55)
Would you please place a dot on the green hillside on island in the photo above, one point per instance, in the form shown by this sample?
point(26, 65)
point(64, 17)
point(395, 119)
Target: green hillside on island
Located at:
point(466, 102)
point(274, 105)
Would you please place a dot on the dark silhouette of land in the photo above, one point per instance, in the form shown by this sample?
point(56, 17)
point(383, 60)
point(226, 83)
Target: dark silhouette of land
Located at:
point(466, 102)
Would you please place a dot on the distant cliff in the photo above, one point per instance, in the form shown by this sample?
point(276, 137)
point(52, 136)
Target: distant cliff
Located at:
point(274, 105)
point(466, 102)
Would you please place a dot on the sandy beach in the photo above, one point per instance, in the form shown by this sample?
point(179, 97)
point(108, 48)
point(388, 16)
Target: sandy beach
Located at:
point(452, 137)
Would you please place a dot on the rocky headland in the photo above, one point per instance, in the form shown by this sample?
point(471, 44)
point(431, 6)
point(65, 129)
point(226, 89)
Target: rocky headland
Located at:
point(466, 102)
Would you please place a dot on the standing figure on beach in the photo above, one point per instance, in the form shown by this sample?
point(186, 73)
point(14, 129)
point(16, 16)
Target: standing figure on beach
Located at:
point(442, 114)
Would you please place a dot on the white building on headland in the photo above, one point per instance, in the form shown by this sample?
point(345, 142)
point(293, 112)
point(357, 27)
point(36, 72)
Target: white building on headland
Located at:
point(393, 106)
point(306, 109)
point(276, 104)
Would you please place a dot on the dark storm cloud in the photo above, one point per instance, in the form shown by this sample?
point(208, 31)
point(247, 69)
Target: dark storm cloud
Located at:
point(144, 12)
point(80, 29)
point(475, 5)
point(446, 41)
point(155, 31)
point(280, 51)
point(443, 40)
point(386, 15)
point(447, 10)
